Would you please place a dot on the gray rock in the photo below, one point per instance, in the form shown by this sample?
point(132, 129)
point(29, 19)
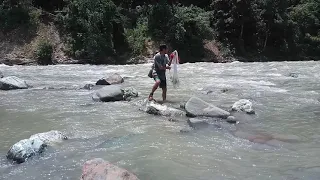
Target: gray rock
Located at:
point(35, 145)
point(98, 169)
point(197, 107)
point(108, 93)
point(243, 105)
point(186, 130)
point(113, 79)
point(173, 120)
point(198, 123)
point(1, 75)
point(12, 82)
point(183, 106)
point(129, 93)
point(50, 137)
point(25, 149)
point(88, 86)
point(294, 75)
point(231, 119)
point(162, 110)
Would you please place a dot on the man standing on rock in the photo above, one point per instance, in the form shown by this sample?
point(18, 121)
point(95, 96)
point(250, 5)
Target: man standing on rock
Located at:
point(161, 60)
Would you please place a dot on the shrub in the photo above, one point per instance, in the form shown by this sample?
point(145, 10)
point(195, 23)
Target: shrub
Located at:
point(136, 37)
point(44, 52)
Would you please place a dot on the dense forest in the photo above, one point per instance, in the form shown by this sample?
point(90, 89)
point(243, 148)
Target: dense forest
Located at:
point(106, 31)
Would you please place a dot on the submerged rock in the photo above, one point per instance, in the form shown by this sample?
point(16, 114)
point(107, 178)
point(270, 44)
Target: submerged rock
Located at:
point(129, 93)
point(108, 93)
point(243, 105)
point(98, 169)
point(197, 107)
point(197, 123)
point(35, 145)
point(88, 86)
point(12, 82)
point(113, 79)
point(163, 110)
point(294, 75)
point(231, 120)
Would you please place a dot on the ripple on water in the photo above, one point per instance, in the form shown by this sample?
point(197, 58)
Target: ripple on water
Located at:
point(152, 147)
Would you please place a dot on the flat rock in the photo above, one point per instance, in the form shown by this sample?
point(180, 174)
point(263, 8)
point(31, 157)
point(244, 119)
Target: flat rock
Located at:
point(163, 110)
point(108, 93)
point(12, 82)
point(197, 107)
point(113, 79)
point(98, 169)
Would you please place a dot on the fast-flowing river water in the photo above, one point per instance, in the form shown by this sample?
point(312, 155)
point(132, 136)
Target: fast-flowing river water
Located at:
point(285, 96)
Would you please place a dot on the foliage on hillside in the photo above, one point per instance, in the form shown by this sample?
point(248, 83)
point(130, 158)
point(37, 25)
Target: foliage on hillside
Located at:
point(103, 30)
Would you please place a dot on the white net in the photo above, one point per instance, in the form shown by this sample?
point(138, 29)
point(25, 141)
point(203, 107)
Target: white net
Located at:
point(175, 62)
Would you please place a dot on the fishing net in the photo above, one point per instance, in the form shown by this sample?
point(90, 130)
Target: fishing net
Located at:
point(174, 78)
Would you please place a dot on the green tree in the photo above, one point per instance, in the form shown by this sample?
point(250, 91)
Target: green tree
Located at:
point(189, 27)
point(90, 25)
point(305, 19)
point(14, 13)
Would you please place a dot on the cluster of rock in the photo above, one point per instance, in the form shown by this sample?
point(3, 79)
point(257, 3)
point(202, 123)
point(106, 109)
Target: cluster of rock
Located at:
point(199, 115)
point(108, 89)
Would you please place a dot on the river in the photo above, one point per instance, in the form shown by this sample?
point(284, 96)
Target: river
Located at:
point(285, 96)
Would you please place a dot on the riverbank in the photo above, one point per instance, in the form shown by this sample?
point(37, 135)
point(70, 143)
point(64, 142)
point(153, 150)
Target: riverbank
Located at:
point(19, 47)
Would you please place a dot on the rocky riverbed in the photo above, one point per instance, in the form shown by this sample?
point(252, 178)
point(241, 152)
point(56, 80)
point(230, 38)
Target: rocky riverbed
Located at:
point(228, 121)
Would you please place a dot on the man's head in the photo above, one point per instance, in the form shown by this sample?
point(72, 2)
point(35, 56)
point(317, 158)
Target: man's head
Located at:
point(163, 49)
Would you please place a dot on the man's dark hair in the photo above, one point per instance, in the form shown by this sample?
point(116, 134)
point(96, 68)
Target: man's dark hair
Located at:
point(162, 47)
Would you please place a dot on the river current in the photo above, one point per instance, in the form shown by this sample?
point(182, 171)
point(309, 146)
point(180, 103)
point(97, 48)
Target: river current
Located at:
point(285, 96)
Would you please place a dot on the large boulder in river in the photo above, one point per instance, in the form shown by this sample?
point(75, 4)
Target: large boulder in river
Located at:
point(36, 144)
point(162, 110)
point(197, 107)
point(114, 93)
point(98, 169)
point(12, 82)
point(108, 93)
point(25, 149)
point(113, 79)
point(243, 105)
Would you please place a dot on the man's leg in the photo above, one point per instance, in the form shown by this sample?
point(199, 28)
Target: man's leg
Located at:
point(164, 93)
point(155, 87)
point(163, 85)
